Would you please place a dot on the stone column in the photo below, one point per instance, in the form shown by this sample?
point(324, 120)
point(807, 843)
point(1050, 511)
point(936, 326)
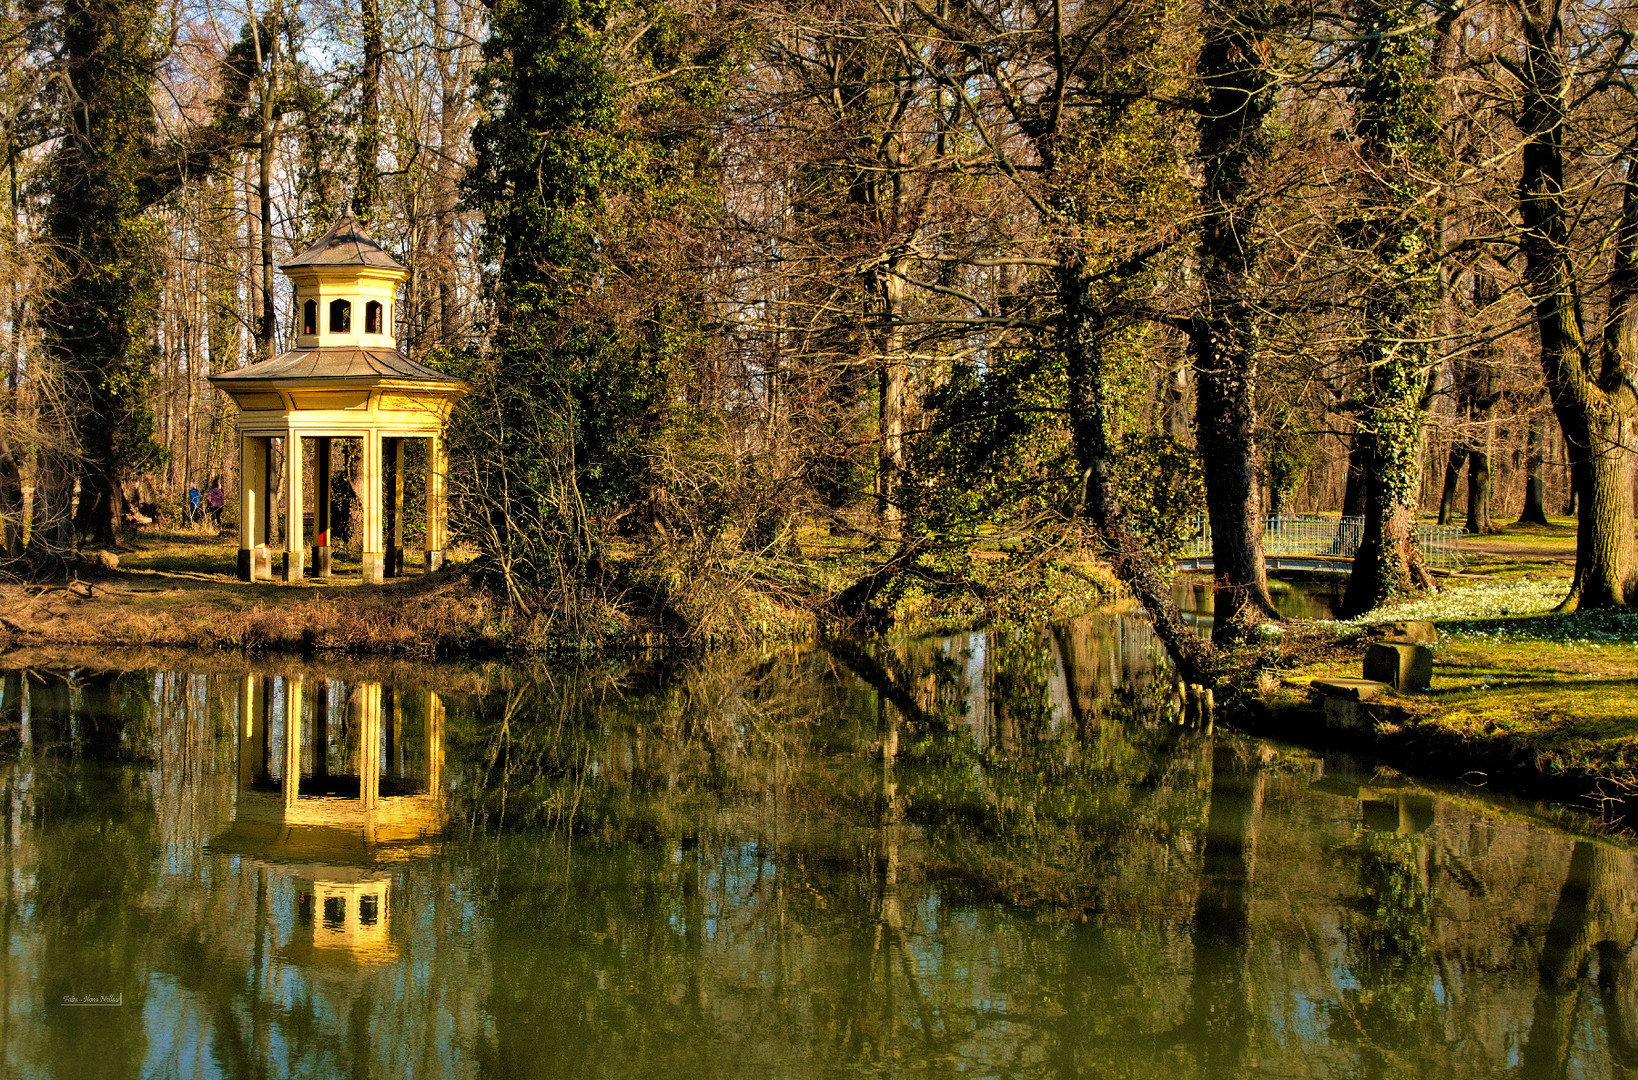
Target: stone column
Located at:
point(292, 740)
point(295, 553)
point(371, 543)
point(321, 508)
point(366, 706)
point(392, 732)
point(437, 502)
point(435, 741)
point(252, 751)
point(396, 460)
point(252, 501)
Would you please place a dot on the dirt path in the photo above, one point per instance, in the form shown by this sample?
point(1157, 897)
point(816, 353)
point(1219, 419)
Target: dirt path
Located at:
point(1518, 553)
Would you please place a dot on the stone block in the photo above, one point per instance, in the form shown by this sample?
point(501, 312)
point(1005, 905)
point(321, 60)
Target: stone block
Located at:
point(321, 561)
point(1347, 713)
point(373, 565)
point(1403, 666)
point(434, 559)
point(294, 567)
point(261, 563)
point(1409, 632)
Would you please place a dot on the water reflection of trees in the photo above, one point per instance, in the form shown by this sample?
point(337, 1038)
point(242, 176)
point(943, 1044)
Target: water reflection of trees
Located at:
point(811, 862)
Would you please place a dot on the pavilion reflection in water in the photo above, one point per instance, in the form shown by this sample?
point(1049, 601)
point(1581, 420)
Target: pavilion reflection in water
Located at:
point(337, 782)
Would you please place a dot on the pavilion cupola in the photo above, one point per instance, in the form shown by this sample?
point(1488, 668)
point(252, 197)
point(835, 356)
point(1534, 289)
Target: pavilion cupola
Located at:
point(346, 287)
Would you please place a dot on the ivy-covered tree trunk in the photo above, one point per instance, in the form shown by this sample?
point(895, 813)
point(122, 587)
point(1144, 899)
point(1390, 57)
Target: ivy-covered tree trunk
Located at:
point(1396, 122)
point(367, 189)
point(1082, 336)
point(103, 297)
point(1591, 383)
point(1239, 82)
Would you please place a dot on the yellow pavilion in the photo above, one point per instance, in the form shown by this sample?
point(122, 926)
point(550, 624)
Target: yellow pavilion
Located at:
point(345, 379)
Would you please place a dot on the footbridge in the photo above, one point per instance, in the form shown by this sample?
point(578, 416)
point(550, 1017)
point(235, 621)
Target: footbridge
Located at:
point(1320, 544)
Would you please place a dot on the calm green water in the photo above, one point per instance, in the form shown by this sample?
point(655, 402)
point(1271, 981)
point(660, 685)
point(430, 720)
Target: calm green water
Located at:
point(993, 854)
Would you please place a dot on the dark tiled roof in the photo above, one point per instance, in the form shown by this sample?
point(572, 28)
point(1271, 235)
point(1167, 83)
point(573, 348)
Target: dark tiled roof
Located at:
point(337, 363)
point(344, 245)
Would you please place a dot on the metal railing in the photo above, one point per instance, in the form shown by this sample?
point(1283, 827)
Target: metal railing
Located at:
point(1331, 537)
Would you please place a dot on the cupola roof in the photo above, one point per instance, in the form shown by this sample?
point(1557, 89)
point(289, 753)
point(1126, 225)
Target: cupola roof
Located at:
point(344, 363)
point(346, 244)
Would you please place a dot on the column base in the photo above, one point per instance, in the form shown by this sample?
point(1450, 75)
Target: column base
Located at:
point(395, 562)
point(434, 559)
point(245, 563)
point(261, 563)
point(374, 566)
point(293, 566)
point(321, 561)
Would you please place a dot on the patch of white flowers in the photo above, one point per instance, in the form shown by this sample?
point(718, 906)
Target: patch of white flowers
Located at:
point(1518, 610)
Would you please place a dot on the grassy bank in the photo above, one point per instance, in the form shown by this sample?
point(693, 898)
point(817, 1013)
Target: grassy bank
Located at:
point(179, 589)
point(1522, 698)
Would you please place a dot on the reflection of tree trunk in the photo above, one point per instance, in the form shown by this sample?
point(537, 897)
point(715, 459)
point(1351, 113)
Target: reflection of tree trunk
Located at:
point(1221, 1015)
point(890, 942)
point(694, 924)
point(1618, 991)
point(1596, 903)
point(1080, 662)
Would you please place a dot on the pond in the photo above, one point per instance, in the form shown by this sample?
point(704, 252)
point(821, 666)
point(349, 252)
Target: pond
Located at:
point(1315, 598)
point(994, 854)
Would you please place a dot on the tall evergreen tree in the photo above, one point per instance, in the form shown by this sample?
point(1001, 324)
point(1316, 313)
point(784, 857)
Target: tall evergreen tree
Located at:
point(585, 149)
point(106, 289)
point(109, 168)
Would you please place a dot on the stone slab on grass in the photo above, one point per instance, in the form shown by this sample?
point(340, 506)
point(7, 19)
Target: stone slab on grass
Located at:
point(1349, 689)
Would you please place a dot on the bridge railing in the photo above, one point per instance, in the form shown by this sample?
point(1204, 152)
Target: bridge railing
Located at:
point(1331, 537)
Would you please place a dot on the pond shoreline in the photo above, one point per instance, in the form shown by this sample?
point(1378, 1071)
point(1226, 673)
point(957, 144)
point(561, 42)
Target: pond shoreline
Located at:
point(1410, 740)
point(1490, 724)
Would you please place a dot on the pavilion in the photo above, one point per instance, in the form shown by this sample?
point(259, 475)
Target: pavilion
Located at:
point(345, 379)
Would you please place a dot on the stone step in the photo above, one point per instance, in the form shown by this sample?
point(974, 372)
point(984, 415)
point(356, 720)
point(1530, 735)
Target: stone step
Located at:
point(1349, 689)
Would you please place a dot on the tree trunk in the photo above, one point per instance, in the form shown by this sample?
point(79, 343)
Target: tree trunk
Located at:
point(1535, 470)
point(892, 374)
point(1224, 337)
point(445, 191)
point(1478, 492)
point(267, 58)
point(367, 192)
point(1453, 479)
point(1592, 395)
point(1353, 495)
